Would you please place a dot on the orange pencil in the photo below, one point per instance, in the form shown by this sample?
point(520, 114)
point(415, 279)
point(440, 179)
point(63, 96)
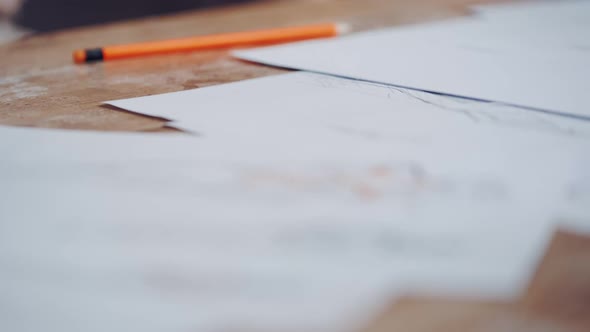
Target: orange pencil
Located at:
point(227, 40)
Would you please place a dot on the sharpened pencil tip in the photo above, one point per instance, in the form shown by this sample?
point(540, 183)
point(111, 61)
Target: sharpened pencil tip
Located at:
point(343, 28)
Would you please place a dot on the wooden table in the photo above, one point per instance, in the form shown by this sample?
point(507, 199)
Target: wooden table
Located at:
point(41, 87)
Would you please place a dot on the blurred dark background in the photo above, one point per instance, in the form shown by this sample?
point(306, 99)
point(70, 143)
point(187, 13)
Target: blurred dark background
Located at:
point(48, 15)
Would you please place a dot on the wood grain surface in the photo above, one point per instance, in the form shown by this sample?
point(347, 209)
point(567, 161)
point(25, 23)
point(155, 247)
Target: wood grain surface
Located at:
point(41, 87)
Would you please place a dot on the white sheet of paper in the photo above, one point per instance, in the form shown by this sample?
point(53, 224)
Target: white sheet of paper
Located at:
point(544, 25)
point(339, 106)
point(498, 58)
point(139, 232)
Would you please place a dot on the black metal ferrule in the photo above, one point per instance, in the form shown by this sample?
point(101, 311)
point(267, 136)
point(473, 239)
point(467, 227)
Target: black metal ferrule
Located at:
point(94, 54)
